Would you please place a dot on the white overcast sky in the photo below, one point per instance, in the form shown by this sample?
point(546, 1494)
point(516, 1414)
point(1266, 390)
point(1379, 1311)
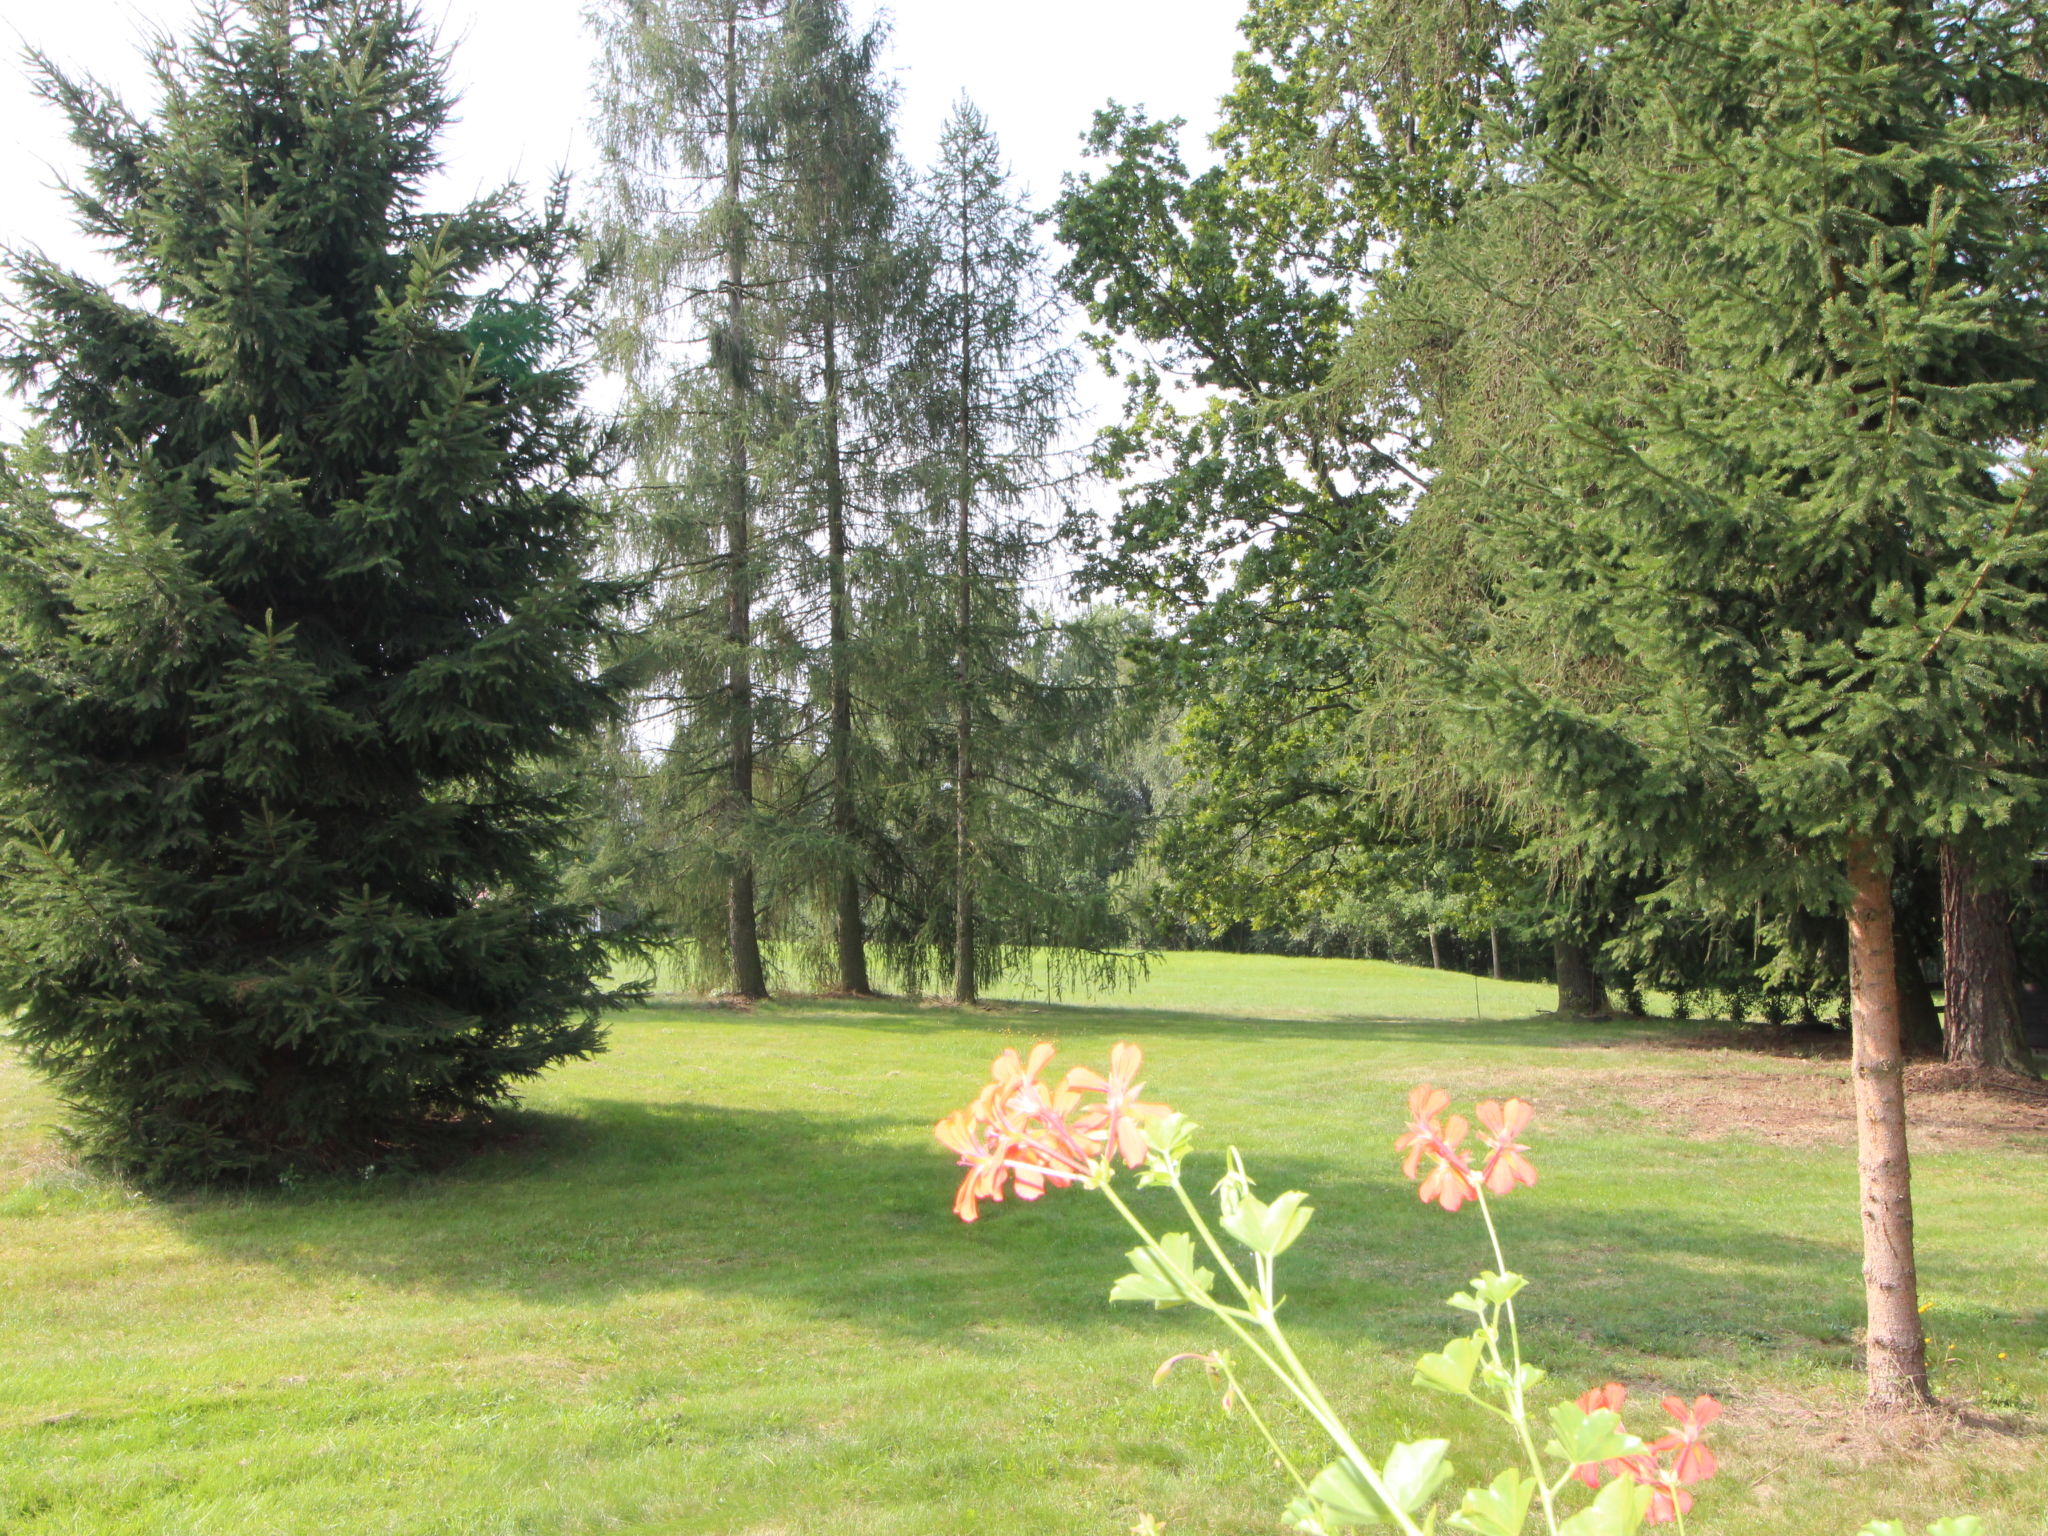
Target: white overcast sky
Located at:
point(522, 67)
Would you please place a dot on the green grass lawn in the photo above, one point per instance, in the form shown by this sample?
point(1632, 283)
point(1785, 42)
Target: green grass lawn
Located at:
point(715, 1287)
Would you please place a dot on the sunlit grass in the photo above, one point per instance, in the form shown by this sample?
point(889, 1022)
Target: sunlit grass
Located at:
point(714, 1287)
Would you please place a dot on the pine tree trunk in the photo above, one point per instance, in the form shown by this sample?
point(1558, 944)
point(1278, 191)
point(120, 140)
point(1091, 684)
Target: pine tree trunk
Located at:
point(748, 977)
point(963, 617)
point(1580, 992)
point(850, 931)
point(1493, 936)
point(1895, 1358)
point(1980, 970)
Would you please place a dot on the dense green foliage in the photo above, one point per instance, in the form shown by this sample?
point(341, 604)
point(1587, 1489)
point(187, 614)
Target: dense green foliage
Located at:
point(1423, 245)
point(1787, 509)
point(293, 618)
point(1268, 515)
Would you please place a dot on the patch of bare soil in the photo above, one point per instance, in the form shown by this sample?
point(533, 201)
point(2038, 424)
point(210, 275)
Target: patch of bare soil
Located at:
point(1813, 1104)
point(1788, 1100)
point(1851, 1436)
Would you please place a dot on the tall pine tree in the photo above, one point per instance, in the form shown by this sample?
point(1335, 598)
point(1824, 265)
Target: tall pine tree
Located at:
point(990, 392)
point(691, 138)
point(833, 222)
point(292, 613)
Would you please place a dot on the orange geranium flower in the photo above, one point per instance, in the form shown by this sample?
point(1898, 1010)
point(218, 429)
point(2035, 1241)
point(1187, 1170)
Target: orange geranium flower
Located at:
point(1611, 1397)
point(1449, 1183)
point(1425, 1104)
point(1695, 1460)
point(1506, 1165)
point(1119, 1120)
point(1018, 1078)
point(1667, 1500)
point(1021, 1135)
point(980, 1154)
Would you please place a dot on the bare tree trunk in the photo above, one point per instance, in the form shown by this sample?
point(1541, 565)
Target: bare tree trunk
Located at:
point(1980, 971)
point(748, 977)
point(1895, 1358)
point(850, 931)
point(1580, 992)
point(1493, 936)
point(1436, 954)
point(963, 617)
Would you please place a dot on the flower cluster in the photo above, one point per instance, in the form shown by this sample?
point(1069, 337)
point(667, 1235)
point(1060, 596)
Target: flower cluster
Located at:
point(1451, 1180)
point(1692, 1460)
point(1021, 1133)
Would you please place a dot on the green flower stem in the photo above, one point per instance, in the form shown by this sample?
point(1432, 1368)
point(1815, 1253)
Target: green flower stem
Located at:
point(1297, 1373)
point(1189, 1288)
point(1292, 1374)
point(1215, 1248)
point(1244, 1397)
point(1517, 1399)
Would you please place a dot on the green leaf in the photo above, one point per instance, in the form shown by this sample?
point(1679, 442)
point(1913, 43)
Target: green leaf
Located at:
point(1584, 1437)
point(1163, 1283)
point(1451, 1369)
point(1414, 1471)
point(1500, 1509)
point(1617, 1510)
point(1303, 1515)
point(1957, 1525)
point(1495, 1289)
point(1883, 1528)
point(1340, 1494)
point(1171, 1138)
point(1269, 1229)
point(1465, 1301)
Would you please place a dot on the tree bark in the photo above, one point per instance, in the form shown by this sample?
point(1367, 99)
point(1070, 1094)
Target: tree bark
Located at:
point(1436, 954)
point(1493, 936)
point(850, 930)
point(1980, 970)
point(1895, 1357)
point(1580, 992)
point(963, 617)
point(748, 977)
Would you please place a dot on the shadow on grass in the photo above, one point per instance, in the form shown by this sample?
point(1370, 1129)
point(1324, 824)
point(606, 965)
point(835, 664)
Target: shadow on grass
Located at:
point(906, 1016)
point(848, 1218)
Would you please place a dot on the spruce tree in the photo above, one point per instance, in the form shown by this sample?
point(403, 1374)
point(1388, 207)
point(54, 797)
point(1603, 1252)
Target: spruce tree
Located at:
point(1780, 505)
point(294, 615)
